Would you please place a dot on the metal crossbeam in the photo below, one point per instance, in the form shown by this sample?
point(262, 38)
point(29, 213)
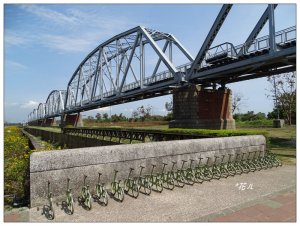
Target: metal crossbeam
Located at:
point(254, 33)
point(210, 38)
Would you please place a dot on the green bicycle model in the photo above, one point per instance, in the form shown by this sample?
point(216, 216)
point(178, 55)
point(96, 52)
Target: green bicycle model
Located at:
point(101, 192)
point(144, 182)
point(204, 172)
point(50, 200)
point(216, 169)
point(86, 196)
point(131, 185)
point(237, 164)
point(178, 175)
point(256, 161)
point(70, 200)
point(262, 159)
point(250, 162)
point(230, 166)
point(116, 190)
point(167, 178)
point(223, 168)
point(244, 164)
point(273, 160)
point(154, 180)
point(189, 174)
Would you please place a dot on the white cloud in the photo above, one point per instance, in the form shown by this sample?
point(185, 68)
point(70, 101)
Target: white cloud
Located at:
point(48, 14)
point(104, 109)
point(30, 104)
point(10, 104)
point(66, 44)
point(77, 31)
point(14, 38)
point(14, 64)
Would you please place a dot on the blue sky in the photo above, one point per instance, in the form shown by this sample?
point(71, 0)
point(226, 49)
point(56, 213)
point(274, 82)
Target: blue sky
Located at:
point(44, 43)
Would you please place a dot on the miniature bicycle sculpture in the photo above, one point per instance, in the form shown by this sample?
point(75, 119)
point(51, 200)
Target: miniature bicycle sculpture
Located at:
point(86, 196)
point(116, 189)
point(50, 200)
point(70, 200)
point(101, 193)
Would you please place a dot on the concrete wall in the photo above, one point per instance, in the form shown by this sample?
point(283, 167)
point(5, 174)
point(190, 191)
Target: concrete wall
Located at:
point(70, 141)
point(57, 166)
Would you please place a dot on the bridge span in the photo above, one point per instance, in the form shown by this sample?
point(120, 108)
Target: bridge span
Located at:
point(117, 72)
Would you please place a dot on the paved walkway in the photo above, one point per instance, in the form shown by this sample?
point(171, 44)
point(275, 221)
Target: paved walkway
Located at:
point(262, 196)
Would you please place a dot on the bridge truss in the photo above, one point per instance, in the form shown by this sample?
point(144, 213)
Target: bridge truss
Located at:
point(116, 71)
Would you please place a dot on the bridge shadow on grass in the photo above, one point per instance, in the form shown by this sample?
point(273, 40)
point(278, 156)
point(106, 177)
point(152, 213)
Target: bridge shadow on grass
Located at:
point(47, 212)
point(282, 142)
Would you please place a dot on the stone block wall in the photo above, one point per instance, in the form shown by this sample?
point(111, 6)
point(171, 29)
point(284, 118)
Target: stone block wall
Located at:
point(57, 166)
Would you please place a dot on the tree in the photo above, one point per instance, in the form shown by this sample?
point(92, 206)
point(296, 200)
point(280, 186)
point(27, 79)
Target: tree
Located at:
point(283, 92)
point(98, 117)
point(169, 106)
point(105, 116)
point(237, 102)
point(144, 112)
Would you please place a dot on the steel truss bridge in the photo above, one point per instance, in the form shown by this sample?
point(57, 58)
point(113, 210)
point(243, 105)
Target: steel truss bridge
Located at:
point(117, 70)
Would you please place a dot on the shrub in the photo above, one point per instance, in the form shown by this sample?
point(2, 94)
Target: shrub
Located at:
point(16, 162)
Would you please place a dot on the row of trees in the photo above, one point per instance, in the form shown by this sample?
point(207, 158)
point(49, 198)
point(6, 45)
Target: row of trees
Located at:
point(142, 113)
point(283, 92)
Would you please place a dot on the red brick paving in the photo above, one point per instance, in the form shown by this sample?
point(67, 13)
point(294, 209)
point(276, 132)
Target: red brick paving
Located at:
point(285, 211)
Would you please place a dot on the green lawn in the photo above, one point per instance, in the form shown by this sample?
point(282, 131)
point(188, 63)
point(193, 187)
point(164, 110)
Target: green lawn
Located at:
point(281, 141)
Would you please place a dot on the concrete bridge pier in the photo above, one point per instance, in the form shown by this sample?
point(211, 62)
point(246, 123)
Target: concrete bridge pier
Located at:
point(74, 120)
point(49, 122)
point(196, 107)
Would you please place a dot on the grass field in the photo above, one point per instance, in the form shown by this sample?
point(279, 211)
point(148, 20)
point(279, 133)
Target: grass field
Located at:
point(281, 141)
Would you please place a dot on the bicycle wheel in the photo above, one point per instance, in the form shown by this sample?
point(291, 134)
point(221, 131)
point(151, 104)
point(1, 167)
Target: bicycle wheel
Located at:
point(245, 167)
point(171, 183)
point(198, 177)
point(159, 185)
point(224, 172)
point(121, 194)
point(51, 209)
point(146, 185)
point(207, 174)
point(126, 185)
point(238, 168)
point(105, 197)
point(231, 169)
point(179, 179)
point(258, 165)
point(252, 166)
point(83, 193)
point(135, 190)
point(89, 201)
point(216, 173)
point(98, 191)
point(190, 177)
point(113, 188)
point(70, 204)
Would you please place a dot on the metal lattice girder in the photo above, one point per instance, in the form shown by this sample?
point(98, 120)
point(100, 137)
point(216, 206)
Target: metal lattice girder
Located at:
point(210, 38)
point(254, 33)
point(117, 66)
point(41, 111)
point(54, 105)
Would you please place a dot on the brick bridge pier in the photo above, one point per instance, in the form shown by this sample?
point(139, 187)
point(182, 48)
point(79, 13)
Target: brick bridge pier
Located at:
point(196, 107)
